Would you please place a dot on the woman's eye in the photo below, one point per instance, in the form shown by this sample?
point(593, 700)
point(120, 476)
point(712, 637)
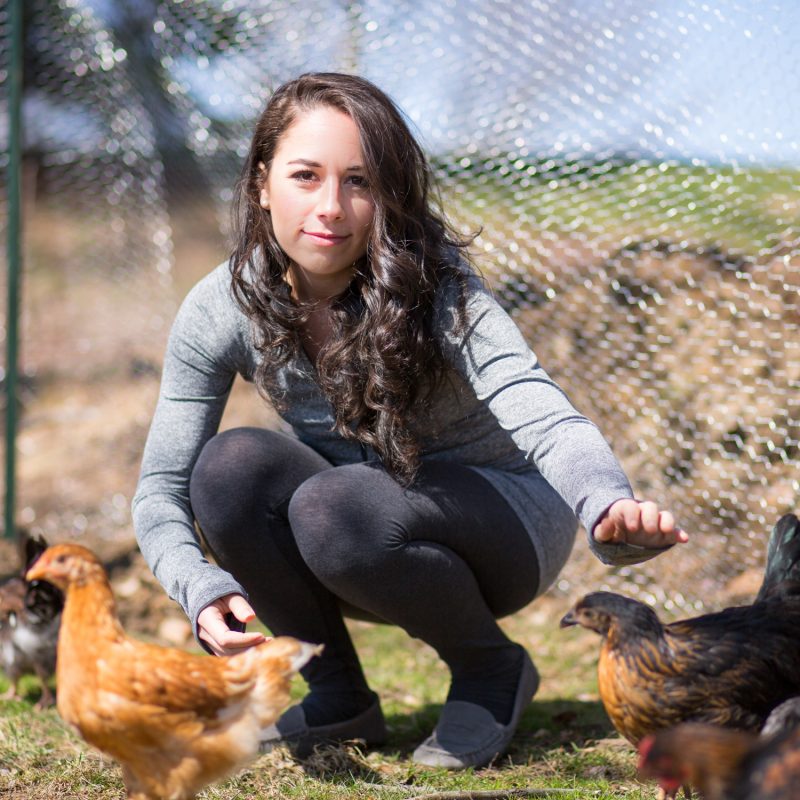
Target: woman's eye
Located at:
point(360, 181)
point(303, 175)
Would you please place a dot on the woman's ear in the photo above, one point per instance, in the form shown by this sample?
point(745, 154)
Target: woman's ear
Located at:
point(263, 194)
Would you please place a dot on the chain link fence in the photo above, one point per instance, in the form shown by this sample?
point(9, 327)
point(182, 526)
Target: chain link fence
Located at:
point(632, 167)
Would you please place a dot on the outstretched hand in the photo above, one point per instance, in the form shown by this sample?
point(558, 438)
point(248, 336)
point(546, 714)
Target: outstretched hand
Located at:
point(638, 523)
point(214, 631)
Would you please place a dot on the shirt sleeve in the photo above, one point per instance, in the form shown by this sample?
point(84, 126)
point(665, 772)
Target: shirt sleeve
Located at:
point(491, 354)
point(204, 353)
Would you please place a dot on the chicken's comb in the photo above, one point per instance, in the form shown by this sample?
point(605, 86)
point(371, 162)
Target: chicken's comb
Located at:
point(645, 746)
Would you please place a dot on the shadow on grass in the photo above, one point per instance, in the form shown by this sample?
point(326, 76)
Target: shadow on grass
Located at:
point(544, 724)
point(571, 725)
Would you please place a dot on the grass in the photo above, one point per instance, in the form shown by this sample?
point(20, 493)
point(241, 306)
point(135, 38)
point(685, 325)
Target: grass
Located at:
point(564, 742)
point(744, 210)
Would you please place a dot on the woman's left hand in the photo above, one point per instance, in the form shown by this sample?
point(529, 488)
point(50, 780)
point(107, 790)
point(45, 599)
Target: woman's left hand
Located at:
point(638, 523)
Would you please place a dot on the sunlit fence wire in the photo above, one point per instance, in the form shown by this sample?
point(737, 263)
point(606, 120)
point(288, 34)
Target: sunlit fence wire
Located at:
point(628, 164)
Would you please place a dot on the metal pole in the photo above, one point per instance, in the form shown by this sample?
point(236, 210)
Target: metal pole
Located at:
point(13, 236)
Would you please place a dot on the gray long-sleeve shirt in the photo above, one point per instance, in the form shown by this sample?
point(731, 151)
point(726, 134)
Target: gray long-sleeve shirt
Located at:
point(497, 411)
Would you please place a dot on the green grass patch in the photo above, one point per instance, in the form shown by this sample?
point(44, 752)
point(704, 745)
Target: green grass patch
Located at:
point(744, 210)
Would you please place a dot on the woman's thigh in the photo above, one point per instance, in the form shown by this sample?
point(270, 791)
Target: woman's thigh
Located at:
point(356, 521)
point(243, 472)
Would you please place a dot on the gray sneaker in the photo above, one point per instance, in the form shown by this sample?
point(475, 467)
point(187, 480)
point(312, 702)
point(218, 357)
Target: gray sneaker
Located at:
point(292, 730)
point(468, 735)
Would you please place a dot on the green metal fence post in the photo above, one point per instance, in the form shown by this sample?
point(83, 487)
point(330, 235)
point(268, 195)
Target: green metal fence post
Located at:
point(13, 235)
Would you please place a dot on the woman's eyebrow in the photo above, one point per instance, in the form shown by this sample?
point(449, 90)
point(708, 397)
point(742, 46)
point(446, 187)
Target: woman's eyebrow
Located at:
point(309, 163)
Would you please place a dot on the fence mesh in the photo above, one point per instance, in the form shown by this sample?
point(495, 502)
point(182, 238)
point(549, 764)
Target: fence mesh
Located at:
point(632, 167)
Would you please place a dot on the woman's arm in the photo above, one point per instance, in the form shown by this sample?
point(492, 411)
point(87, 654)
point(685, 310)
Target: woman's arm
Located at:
point(568, 449)
point(204, 352)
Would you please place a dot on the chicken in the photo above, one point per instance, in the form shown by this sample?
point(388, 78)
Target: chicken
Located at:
point(785, 717)
point(724, 764)
point(30, 615)
point(730, 668)
point(175, 721)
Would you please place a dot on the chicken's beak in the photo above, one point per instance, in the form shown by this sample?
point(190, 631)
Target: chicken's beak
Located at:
point(35, 573)
point(569, 619)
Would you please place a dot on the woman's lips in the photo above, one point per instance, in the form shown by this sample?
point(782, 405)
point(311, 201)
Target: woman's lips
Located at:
point(326, 238)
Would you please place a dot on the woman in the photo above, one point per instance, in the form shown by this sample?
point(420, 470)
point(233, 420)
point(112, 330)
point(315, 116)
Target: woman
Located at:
point(435, 471)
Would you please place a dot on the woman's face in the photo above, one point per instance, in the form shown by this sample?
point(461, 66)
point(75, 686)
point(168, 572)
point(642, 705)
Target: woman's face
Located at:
point(321, 206)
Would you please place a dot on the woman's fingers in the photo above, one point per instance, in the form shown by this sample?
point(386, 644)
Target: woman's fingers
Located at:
point(639, 523)
point(230, 642)
point(241, 609)
point(214, 631)
point(650, 518)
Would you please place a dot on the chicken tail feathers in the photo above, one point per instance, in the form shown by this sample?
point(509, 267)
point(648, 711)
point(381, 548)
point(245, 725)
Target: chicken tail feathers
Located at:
point(42, 600)
point(782, 573)
point(283, 656)
point(276, 662)
point(32, 547)
point(302, 654)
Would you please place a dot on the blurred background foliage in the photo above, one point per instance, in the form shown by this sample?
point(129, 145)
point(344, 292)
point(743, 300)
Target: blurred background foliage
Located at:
point(632, 168)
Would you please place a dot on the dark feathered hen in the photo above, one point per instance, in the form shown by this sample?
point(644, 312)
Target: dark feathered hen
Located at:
point(730, 668)
point(782, 571)
point(785, 717)
point(30, 616)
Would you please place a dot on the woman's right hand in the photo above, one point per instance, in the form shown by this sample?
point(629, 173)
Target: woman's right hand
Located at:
point(214, 631)
point(639, 523)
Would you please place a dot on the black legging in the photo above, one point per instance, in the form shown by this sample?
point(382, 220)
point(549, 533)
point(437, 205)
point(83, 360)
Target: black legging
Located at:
point(442, 560)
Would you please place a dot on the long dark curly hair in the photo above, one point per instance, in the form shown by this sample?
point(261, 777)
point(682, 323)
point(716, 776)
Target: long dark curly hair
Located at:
point(382, 356)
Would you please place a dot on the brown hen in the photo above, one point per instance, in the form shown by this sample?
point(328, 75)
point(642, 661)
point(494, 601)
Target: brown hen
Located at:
point(724, 764)
point(729, 668)
point(175, 721)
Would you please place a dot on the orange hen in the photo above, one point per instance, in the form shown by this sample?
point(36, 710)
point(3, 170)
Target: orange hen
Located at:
point(175, 721)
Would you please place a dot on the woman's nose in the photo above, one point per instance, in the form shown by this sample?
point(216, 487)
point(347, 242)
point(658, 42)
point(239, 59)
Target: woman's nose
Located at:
point(330, 200)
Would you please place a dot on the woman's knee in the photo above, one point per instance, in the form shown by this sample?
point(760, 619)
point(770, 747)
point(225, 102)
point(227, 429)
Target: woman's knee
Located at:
point(239, 474)
point(225, 454)
point(243, 463)
point(341, 528)
point(224, 468)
